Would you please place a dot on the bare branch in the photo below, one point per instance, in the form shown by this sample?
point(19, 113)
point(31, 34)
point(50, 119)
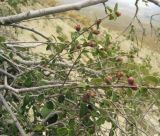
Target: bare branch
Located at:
point(71, 85)
point(6, 73)
point(47, 11)
point(30, 29)
point(13, 116)
point(157, 2)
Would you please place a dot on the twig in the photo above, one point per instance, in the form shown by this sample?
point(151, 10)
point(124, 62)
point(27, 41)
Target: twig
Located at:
point(30, 29)
point(47, 11)
point(6, 73)
point(71, 86)
point(21, 130)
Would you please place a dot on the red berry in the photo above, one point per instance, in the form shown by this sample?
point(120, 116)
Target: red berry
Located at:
point(118, 14)
point(119, 59)
point(90, 44)
point(102, 49)
point(78, 46)
point(134, 86)
point(131, 81)
point(108, 79)
point(98, 21)
point(90, 107)
point(119, 74)
point(96, 32)
point(78, 28)
point(92, 93)
point(86, 97)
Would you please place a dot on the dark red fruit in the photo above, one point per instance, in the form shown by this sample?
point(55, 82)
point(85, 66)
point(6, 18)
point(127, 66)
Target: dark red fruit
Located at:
point(108, 79)
point(131, 81)
point(102, 49)
point(98, 22)
point(96, 32)
point(119, 59)
point(134, 86)
point(78, 28)
point(119, 74)
point(78, 46)
point(90, 107)
point(92, 93)
point(118, 14)
point(90, 44)
point(86, 97)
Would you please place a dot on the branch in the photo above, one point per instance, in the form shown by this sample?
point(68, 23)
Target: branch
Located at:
point(21, 130)
point(64, 64)
point(13, 116)
point(71, 86)
point(30, 29)
point(6, 73)
point(47, 11)
point(157, 2)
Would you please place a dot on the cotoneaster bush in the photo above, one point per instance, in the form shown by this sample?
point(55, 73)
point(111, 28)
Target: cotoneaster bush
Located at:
point(95, 84)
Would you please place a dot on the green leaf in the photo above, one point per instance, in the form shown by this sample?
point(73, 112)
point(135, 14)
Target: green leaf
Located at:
point(141, 92)
point(38, 127)
point(100, 121)
point(40, 97)
point(71, 132)
point(28, 81)
point(52, 119)
point(26, 100)
point(111, 17)
point(97, 81)
point(83, 85)
point(71, 123)
point(111, 133)
point(48, 47)
point(61, 98)
point(90, 36)
point(11, 55)
point(115, 97)
point(59, 48)
point(27, 103)
point(45, 111)
point(88, 122)
point(49, 105)
point(109, 93)
point(116, 7)
point(129, 92)
point(62, 131)
point(2, 39)
point(61, 39)
point(151, 79)
point(47, 108)
point(73, 45)
point(83, 110)
point(109, 9)
point(74, 35)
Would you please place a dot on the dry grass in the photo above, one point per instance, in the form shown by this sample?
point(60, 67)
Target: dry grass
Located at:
point(48, 2)
point(79, 18)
